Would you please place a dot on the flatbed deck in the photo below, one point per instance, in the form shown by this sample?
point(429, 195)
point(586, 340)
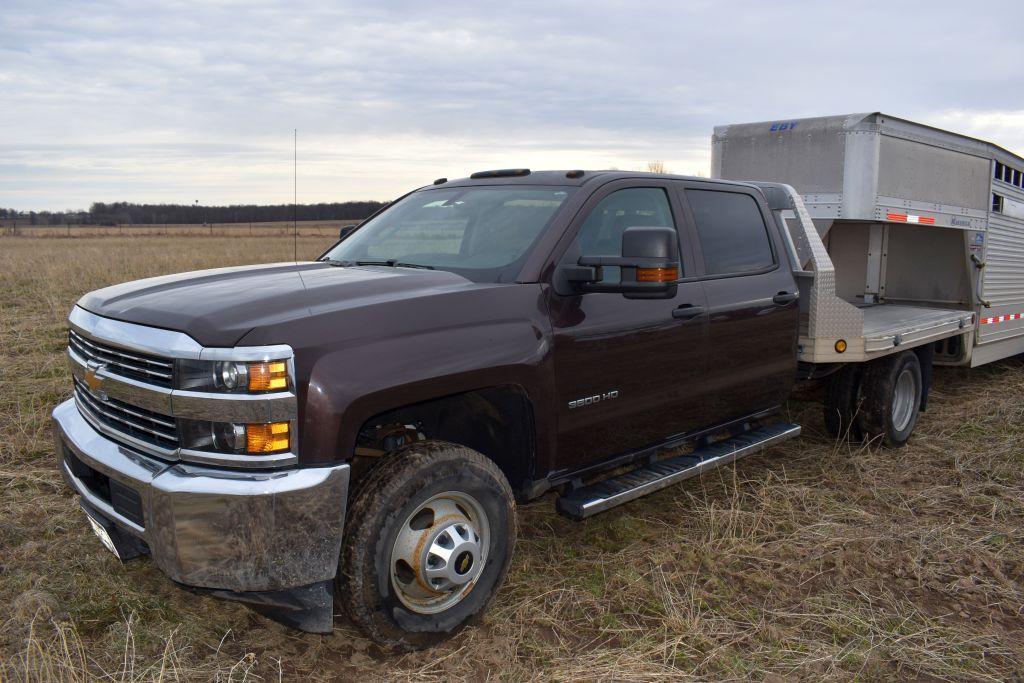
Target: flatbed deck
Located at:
point(889, 325)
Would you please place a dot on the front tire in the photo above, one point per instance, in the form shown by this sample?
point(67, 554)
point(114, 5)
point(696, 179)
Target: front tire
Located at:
point(429, 536)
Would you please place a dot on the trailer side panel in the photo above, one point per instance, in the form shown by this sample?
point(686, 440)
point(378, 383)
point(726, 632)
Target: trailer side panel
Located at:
point(916, 171)
point(807, 154)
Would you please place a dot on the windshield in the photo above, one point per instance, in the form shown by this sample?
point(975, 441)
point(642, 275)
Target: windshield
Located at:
point(482, 233)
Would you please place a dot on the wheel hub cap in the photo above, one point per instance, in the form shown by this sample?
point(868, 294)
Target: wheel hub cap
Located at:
point(452, 555)
point(905, 394)
point(439, 553)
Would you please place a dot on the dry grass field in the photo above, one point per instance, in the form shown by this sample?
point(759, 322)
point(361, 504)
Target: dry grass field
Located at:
point(325, 229)
point(816, 560)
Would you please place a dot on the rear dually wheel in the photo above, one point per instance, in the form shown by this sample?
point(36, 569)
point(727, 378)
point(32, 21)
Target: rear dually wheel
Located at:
point(891, 390)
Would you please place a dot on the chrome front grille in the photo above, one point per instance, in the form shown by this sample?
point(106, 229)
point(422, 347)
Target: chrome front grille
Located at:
point(138, 423)
point(124, 387)
point(132, 364)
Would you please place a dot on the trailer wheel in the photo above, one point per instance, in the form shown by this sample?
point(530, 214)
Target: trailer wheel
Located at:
point(428, 540)
point(842, 403)
point(891, 391)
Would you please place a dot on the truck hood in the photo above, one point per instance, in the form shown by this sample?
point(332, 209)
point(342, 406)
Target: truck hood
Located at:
point(218, 307)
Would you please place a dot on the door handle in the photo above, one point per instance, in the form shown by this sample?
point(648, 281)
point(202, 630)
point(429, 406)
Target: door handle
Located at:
point(687, 312)
point(785, 298)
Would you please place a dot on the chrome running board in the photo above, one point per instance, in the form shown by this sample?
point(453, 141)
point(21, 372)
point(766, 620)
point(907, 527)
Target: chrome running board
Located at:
point(589, 500)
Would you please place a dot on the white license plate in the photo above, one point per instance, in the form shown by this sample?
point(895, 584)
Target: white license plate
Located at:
point(102, 534)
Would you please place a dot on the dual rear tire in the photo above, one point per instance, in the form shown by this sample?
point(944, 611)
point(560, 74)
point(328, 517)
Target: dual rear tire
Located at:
point(879, 401)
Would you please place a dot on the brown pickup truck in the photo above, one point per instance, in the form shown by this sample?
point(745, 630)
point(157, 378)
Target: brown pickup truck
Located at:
point(355, 430)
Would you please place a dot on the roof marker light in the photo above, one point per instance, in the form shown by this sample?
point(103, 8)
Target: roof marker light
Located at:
point(501, 173)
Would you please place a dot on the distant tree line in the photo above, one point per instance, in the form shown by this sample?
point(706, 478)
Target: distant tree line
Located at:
point(126, 213)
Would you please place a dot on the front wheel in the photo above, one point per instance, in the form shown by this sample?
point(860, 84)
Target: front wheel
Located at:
point(428, 541)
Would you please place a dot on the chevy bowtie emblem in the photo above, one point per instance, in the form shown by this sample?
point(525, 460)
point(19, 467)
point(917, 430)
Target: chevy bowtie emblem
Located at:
point(92, 380)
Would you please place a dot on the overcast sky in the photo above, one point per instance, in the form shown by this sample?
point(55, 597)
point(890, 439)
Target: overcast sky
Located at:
point(173, 101)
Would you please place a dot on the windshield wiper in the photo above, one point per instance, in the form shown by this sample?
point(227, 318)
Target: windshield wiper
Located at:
point(391, 263)
point(422, 266)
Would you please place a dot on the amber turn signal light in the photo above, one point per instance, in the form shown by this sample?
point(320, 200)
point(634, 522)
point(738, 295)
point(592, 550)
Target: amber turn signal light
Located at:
point(268, 376)
point(267, 438)
point(657, 274)
point(840, 346)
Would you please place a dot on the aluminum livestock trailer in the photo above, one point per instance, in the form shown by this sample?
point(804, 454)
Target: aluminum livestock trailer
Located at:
point(907, 243)
point(906, 236)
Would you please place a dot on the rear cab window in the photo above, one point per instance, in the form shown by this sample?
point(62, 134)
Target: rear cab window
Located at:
point(731, 231)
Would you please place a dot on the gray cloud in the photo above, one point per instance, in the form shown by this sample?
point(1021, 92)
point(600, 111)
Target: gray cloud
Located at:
point(174, 101)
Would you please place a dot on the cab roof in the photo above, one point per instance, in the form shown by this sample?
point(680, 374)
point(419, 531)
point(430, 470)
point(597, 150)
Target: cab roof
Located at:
point(572, 178)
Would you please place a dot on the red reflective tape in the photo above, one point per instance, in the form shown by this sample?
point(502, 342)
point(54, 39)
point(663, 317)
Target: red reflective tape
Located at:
point(909, 218)
point(1002, 318)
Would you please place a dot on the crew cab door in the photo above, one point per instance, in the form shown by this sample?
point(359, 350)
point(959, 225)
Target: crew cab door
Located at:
point(751, 296)
point(628, 372)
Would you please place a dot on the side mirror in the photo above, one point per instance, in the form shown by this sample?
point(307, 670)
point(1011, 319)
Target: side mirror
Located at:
point(649, 265)
point(347, 230)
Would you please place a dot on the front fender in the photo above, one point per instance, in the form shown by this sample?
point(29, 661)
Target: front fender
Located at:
point(403, 352)
point(349, 387)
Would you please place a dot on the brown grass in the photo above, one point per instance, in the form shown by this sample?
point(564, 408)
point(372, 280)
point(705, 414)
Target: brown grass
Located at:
point(243, 229)
point(815, 560)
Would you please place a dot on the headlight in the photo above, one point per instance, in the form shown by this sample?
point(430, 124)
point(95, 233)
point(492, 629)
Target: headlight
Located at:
point(233, 376)
point(231, 437)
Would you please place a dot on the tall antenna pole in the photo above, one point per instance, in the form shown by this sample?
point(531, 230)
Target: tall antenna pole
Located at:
point(295, 199)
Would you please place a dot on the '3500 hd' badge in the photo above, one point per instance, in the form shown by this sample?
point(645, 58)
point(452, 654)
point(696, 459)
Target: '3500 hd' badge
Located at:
point(596, 398)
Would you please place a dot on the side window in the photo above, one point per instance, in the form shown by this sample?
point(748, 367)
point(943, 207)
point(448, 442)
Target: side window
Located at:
point(601, 233)
point(731, 230)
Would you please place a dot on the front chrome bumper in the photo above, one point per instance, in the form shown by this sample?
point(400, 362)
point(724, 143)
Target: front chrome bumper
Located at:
point(213, 528)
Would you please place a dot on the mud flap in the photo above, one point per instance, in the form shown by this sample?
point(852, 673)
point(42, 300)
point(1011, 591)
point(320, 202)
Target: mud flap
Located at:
point(925, 355)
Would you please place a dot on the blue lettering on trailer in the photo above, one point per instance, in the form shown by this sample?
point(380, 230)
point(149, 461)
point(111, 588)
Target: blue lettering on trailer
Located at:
point(787, 125)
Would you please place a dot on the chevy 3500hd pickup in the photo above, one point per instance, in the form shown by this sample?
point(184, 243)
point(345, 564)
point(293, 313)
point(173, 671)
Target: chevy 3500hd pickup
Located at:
point(355, 431)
